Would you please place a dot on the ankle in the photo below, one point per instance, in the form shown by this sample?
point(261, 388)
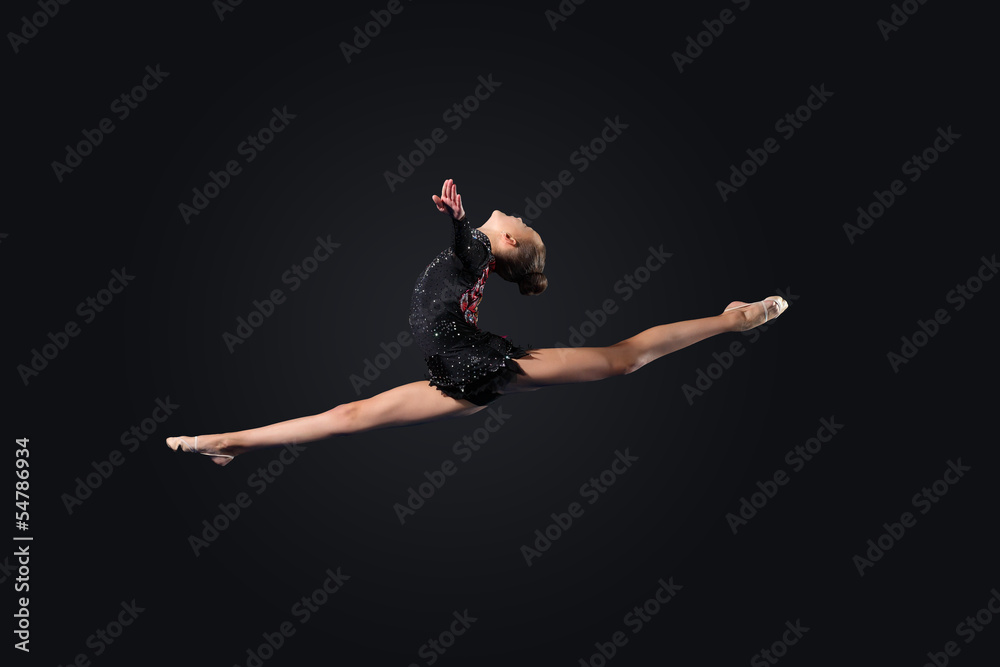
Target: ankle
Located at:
point(227, 445)
point(734, 321)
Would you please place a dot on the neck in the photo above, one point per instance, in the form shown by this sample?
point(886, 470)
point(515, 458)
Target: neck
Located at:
point(494, 236)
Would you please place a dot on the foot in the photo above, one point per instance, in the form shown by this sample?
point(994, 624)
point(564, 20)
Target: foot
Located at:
point(747, 316)
point(209, 445)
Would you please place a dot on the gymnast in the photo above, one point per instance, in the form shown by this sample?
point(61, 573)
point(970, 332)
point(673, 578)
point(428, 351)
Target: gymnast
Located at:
point(467, 368)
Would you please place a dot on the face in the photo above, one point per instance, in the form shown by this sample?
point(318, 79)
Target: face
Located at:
point(515, 227)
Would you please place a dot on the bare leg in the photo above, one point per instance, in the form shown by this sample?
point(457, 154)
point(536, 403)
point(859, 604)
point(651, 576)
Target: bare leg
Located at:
point(419, 402)
point(412, 403)
point(567, 365)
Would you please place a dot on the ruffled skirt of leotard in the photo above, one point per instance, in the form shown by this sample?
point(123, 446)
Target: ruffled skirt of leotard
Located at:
point(477, 369)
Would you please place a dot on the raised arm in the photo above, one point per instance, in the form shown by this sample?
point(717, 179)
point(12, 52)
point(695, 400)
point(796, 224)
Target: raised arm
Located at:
point(470, 250)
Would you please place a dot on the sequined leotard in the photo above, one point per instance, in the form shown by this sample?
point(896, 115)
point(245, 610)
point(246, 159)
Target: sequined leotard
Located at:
point(463, 361)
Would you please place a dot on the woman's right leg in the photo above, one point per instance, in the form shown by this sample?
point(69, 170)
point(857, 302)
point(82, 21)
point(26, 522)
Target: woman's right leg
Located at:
point(568, 365)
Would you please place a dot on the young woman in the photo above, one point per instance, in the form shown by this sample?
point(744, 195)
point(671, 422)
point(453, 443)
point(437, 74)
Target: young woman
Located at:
point(467, 367)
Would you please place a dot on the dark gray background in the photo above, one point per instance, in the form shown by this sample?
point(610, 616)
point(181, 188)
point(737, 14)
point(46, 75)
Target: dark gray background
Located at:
point(655, 185)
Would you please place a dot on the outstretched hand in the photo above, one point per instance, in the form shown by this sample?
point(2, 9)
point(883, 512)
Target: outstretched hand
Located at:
point(450, 201)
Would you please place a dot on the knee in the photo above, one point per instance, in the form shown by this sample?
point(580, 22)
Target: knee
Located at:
point(344, 416)
point(624, 359)
point(631, 366)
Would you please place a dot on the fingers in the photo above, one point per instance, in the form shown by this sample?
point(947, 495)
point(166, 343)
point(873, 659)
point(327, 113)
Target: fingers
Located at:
point(449, 198)
point(456, 200)
point(448, 189)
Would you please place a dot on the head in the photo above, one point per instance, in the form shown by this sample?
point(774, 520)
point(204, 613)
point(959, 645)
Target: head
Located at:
point(519, 251)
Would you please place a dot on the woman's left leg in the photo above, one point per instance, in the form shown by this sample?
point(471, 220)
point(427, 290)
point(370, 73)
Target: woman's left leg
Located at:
point(412, 403)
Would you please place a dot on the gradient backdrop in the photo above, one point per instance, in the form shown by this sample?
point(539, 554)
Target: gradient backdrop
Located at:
point(117, 573)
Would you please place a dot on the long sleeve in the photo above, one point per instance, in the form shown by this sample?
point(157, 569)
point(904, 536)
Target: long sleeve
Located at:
point(471, 245)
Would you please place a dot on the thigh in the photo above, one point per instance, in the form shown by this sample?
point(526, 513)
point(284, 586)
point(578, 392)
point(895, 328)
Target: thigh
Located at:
point(407, 404)
point(568, 365)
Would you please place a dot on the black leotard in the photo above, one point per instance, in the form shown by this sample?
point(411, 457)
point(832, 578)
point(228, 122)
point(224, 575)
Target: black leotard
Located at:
point(463, 361)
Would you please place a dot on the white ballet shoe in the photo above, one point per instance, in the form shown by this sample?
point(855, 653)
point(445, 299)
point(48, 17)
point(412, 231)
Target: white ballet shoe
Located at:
point(747, 305)
point(781, 304)
point(183, 446)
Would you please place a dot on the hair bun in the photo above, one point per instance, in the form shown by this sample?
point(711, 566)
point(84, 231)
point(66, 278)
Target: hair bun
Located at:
point(533, 282)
